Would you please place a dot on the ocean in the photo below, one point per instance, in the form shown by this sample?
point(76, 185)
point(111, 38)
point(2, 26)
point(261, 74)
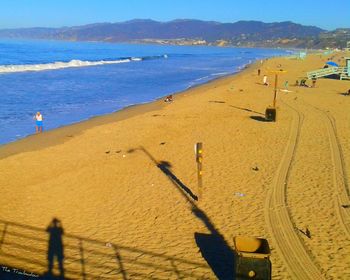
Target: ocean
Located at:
point(73, 81)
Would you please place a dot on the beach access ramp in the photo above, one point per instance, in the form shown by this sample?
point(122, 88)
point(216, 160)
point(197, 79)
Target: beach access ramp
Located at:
point(324, 72)
point(343, 72)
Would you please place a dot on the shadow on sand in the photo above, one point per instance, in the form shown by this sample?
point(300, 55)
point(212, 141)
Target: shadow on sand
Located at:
point(216, 101)
point(213, 247)
point(28, 252)
point(247, 109)
point(217, 255)
point(55, 247)
point(165, 166)
point(259, 119)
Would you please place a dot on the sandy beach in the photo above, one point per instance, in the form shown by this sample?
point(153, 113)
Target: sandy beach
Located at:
point(124, 185)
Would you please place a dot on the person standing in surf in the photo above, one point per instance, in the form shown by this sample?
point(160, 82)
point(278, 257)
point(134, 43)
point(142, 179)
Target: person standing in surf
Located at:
point(39, 122)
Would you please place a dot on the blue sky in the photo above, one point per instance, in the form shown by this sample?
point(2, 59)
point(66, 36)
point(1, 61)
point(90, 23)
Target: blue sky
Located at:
point(326, 14)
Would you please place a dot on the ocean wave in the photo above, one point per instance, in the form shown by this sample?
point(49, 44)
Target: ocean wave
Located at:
point(220, 74)
point(71, 64)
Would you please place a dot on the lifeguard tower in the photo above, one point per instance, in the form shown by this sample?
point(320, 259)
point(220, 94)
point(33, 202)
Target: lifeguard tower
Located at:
point(343, 72)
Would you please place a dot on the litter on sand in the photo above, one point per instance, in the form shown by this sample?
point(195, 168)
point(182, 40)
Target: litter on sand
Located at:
point(239, 194)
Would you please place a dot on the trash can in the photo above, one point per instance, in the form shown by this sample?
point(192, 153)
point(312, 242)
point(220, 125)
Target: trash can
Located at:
point(252, 258)
point(270, 114)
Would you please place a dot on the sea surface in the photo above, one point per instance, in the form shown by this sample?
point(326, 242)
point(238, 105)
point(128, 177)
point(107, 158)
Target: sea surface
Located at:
point(73, 81)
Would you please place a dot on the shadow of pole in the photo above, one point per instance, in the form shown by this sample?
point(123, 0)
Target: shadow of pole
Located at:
point(248, 110)
point(213, 246)
point(164, 166)
point(259, 119)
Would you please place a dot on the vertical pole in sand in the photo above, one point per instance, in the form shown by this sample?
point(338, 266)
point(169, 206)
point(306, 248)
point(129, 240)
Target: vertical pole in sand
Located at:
point(275, 91)
point(199, 158)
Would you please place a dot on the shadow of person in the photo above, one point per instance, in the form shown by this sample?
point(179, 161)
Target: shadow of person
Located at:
point(55, 246)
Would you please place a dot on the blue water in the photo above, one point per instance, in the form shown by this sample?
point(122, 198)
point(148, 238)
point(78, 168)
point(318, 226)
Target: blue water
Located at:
point(62, 86)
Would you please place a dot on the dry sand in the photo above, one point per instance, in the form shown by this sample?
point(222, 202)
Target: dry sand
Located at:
point(123, 185)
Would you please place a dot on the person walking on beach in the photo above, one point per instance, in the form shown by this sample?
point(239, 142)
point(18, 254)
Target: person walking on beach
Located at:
point(314, 81)
point(265, 81)
point(38, 122)
point(286, 84)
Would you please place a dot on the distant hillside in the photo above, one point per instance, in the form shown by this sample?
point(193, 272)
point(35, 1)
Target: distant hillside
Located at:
point(334, 39)
point(190, 32)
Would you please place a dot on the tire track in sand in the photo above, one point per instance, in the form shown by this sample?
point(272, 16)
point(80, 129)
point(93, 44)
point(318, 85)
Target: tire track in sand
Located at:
point(279, 223)
point(341, 186)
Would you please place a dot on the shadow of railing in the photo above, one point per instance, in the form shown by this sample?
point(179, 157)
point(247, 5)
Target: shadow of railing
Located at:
point(213, 246)
point(25, 248)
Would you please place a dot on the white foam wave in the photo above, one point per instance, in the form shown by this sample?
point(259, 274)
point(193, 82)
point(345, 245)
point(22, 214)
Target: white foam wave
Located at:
point(220, 74)
point(201, 78)
point(61, 65)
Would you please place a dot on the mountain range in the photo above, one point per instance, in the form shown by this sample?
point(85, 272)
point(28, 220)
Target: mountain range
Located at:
point(193, 32)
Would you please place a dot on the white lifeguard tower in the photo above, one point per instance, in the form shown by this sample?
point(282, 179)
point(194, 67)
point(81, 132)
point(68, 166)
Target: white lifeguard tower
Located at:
point(343, 72)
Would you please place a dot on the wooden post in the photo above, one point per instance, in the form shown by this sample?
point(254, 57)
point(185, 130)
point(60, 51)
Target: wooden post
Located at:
point(275, 94)
point(270, 113)
point(276, 72)
point(199, 160)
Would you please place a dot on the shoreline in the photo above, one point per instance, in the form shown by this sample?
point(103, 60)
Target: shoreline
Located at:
point(62, 134)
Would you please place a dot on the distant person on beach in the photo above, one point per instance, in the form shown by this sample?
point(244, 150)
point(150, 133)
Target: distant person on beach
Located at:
point(265, 81)
point(303, 83)
point(286, 84)
point(38, 122)
point(314, 81)
point(169, 98)
point(55, 248)
point(259, 72)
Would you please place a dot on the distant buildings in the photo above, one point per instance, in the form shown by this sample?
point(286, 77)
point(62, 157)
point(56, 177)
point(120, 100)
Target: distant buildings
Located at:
point(347, 46)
